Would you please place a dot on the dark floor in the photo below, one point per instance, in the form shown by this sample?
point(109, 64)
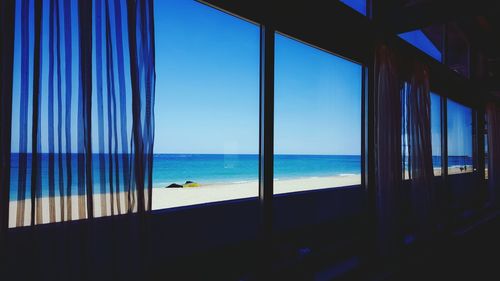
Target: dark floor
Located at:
point(470, 254)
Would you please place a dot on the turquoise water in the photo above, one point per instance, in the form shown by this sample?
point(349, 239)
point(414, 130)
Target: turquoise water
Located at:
point(216, 168)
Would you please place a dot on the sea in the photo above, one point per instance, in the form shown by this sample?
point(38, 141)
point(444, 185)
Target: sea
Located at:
point(214, 168)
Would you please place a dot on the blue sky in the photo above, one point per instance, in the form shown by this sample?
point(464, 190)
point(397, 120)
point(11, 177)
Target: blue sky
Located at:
point(459, 129)
point(208, 78)
point(317, 101)
point(207, 90)
point(436, 124)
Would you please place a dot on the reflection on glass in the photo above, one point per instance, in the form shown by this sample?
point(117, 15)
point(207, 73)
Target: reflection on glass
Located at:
point(317, 118)
point(459, 138)
point(207, 105)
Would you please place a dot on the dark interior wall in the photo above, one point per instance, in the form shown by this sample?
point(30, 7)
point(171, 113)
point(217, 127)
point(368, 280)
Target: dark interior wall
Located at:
point(300, 209)
point(213, 240)
point(196, 241)
point(467, 193)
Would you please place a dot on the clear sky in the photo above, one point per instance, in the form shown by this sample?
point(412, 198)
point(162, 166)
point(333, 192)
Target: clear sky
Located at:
point(208, 81)
point(459, 129)
point(436, 124)
point(207, 90)
point(317, 101)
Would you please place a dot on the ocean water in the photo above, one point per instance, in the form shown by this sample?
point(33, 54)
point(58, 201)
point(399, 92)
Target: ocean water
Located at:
point(458, 161)
point(217, 168)
point(213, 168)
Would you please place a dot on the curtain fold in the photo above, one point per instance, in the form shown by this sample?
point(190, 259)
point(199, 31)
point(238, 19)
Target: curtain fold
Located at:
point(493, 120)
point(142, 73)
point(85, 107)
point(7, 24)
point(35, 192)
point(388, 158)
point(418, 134)
point(83, 102)
point(403, 149)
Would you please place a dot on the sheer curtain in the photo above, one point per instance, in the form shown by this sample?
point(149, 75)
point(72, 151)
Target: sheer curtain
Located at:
point(7, 11)
point(493, 119)
point(402, 132)
point(388, 158)
point(84, 86)
point(417, 133)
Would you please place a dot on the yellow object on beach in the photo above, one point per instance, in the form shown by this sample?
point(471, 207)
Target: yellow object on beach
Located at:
point(191, 184)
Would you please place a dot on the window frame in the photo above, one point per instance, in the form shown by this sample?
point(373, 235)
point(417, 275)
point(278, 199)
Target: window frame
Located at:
point(363, 115)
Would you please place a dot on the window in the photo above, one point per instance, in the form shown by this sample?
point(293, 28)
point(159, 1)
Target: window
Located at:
point(358, 5)
point(427, 40)
point(206, 114)
point(459, 138)
point(317, 118)
point(436, 133)
point(435, 136)
point(207, 105)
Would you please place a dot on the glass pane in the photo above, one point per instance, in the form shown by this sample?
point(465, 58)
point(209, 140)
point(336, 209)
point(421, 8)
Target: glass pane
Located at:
point(459, 138)
point(436, 133)
point(358, 5)
point(207, 105)
point(428, 40)
point(317, 118)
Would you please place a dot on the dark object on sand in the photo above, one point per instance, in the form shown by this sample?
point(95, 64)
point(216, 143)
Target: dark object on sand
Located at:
point(191, 184)
point(174, 185)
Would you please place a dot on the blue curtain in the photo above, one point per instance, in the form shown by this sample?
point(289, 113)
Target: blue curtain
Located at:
point(83, 124)
point(7, 11)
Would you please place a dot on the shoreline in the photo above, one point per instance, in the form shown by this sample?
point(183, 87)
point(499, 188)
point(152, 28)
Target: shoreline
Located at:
point(244, 181)
point(164, 198)
point(177, 197)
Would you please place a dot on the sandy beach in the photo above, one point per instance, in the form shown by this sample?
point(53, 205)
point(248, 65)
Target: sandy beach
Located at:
point(456, 170)
point(175, 197)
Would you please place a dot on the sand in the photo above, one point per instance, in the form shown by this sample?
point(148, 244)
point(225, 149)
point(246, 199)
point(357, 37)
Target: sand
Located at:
point(456, 170)
point(176, 197)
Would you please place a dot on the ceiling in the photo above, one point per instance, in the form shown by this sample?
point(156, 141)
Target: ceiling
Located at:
point(477, 23)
